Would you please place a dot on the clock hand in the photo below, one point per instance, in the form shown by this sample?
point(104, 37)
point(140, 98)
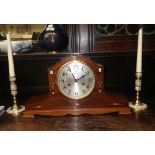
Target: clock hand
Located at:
point(81, 77)
point(69, 68)
point(71, 73)
point(74, 77)
point(76, 80)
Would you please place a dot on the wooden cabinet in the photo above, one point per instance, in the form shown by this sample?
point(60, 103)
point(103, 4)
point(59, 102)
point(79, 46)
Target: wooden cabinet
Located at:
point(110, 37)
point(112, 46)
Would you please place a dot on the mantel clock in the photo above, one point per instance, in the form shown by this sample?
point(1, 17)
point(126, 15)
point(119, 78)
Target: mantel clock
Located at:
point(76, 86)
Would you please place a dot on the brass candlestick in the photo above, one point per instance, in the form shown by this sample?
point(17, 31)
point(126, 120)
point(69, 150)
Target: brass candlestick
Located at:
point(138, 105)
point(15, 109)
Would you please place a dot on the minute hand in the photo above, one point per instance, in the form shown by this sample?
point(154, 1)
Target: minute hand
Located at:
point(76, 80)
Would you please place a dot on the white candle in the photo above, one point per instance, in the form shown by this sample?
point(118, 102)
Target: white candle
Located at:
point(139, 51)
point(10, 57)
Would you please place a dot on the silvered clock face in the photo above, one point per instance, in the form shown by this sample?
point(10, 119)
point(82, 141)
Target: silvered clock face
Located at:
point(76, 80)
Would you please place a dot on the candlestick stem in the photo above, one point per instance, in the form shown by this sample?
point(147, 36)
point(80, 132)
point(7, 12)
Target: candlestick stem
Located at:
point(15, 109)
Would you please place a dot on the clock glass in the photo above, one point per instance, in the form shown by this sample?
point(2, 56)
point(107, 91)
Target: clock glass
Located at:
point(75, 80)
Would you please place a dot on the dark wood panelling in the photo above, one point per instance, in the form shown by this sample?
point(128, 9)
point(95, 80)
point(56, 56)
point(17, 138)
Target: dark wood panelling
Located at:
point(123, 43)
point(31, 70)
point(81, 38)
point(73, 33)
point(122, 37)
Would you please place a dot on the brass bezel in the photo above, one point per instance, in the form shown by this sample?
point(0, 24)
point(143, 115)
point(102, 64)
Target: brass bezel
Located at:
point(75, 98)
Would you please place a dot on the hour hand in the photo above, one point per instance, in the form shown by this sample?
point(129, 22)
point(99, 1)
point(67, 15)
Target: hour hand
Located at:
point(73, 77)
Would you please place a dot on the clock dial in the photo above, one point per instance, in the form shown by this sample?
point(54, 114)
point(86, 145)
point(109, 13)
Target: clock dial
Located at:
point(76, 80)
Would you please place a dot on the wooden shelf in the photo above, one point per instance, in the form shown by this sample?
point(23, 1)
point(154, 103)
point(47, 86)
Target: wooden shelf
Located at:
point(45, 55)
point(21, 36)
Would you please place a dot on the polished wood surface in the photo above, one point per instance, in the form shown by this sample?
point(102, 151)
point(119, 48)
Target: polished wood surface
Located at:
point(145, 122)
point(141, 122)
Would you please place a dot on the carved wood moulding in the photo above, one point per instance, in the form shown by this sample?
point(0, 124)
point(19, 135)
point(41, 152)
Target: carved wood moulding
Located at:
point(123, 29)
point(122, 37)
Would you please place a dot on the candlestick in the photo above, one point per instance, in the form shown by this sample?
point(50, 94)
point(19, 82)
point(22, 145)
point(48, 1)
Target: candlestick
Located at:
point(15, 109)
point(139, 51)
point(138, 105)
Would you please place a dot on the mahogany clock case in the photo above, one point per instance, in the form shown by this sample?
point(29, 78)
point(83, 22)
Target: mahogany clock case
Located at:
point(54, 103)
point(96, 68)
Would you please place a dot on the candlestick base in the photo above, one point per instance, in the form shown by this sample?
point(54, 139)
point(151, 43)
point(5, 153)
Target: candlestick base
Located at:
point(15, 110)
point(138, 106)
